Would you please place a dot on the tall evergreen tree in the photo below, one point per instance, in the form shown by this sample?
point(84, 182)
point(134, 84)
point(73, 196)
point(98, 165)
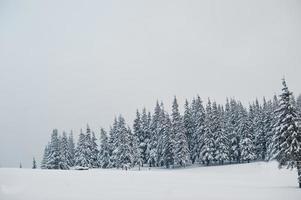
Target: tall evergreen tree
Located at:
point(145, 138)
point(198, 129)
point(267, 126)
point(138, 136)
point(208, 150)
point(64, 152)
point(161, 129)
point(113, 143)
point(135, 150)
point(94, 151)
point(104, 150)
point(54, 156)
point(81, 158)
point(168, 142)
point(153, 158)
point(71, 150)
point(260, 137)
point(270, 137)
point(188, 124)
point(45, 157)
point(122, 154)
point(247, 136)
point(287, 137)
point(232, 128)
point(181, 150)
point(222, 142)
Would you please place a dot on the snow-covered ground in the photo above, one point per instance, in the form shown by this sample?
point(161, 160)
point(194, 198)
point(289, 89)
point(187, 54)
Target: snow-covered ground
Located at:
point(244, 181)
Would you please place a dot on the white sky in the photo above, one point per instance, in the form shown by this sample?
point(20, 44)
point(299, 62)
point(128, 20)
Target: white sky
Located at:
point(67, 63)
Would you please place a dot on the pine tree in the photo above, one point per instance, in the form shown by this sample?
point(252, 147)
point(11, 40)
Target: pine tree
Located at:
point(94, 151)
point(287, 139)
point(34, 163)
point(198, 129)
point(181, 150)
point(64, 152)
point(145, 137)
point(71, 150)
point(88, 146)
point(135, 150)
point(139, 138)
point(260, 137)
point(113, 143)
point(153, 158)
point(232, 129)
point(160, 136)
point(81, 158)
point(270, 137)
point(104, 150)
point(188, 124)
point(122, 154)
point(168, 142)
point(268, 125)
point(222, 142)
point(54, 156)
point(45, 157)
point(247, 136)
point(208, 151)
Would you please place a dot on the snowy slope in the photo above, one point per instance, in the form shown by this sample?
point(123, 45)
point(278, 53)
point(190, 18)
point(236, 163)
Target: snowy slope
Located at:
point(245, 181)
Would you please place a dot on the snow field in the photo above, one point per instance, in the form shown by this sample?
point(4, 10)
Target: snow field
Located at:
point(242, 181)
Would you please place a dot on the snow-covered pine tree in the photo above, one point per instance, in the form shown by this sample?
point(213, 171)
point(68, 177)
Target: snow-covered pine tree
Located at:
point(270, 146)
point(268, 125)
point(54, 157)
point(135, 150)
point(34, 163)
point(208, 150)
point(145, 137)
point(88, 146)
point(188, 124)
point(247, 145)
point(113, 144)
point(64, 152)
point(232, 129)
point(45, 157)
point(122, 154)
point(198, 129)
point(168, 142)
point(153, 157)
point(181, 150)
point(71, 149)
point(94, 151)
point(260, 135)
point(80, 153)
point(138, 136)
point(287, 138)
point(222, 142)
point(104, 150)
point(160, 136)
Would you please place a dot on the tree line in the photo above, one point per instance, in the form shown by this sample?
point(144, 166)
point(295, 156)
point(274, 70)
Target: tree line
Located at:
point(210, 134)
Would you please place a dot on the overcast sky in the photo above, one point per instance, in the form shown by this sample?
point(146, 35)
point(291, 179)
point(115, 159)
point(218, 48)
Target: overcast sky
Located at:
point(68, 63)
